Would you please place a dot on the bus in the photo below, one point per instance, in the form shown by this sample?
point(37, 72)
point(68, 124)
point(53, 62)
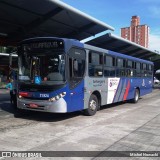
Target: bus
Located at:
point(64, 75)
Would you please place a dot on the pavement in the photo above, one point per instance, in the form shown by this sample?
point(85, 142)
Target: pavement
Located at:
point(116, 127)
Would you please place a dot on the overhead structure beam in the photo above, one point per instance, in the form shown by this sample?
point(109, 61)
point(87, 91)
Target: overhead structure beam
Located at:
point(106, 42)
point(118, 49)
point(37, 22)
point(19, 19)
point(80, 30)
point(155, 58)
point(133, 52)
point(78, 12)
point(17, 7)
point(147, 55)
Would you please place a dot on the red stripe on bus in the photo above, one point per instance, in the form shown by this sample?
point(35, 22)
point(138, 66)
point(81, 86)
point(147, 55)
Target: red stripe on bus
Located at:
point(127, 90)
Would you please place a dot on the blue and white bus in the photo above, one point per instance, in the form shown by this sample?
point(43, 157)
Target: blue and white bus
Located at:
point(64, 75)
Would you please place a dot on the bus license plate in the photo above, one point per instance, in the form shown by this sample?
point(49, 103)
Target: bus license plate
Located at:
point(32, 105)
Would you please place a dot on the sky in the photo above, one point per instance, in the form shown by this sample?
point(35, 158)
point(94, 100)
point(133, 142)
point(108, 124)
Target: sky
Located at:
point(118, 13)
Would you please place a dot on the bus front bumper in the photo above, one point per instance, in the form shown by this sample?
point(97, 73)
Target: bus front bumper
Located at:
point(59, 106)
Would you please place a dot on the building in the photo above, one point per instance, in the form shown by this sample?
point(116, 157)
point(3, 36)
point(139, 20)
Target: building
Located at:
point(136, 33)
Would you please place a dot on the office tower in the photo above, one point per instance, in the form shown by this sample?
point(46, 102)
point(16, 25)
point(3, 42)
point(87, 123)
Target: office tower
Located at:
point(136, 33)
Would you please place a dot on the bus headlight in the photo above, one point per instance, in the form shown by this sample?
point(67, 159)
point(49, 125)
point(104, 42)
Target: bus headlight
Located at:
point(56, 98)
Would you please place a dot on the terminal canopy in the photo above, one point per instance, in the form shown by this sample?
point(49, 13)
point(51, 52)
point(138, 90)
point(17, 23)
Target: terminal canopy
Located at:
point(121, 45)
point(20, 19)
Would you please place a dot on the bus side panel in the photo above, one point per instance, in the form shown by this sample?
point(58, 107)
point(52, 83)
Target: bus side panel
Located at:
point(130, 89)
point(120, 89)
point(92, 85)
point(144, 85)
point(114, 90)
point(149, 86)
point(124, 88)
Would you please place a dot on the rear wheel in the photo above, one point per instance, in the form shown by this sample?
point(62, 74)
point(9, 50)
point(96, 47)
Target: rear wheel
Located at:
point(92, 106)
point(136, 96)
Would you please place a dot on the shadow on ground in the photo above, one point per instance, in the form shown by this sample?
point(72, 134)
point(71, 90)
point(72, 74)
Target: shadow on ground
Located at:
point(44, 116)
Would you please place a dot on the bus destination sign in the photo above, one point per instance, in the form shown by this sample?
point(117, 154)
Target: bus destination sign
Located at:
point(44, 45)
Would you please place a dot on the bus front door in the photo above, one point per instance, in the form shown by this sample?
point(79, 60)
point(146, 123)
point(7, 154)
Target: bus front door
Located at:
point(76, 61)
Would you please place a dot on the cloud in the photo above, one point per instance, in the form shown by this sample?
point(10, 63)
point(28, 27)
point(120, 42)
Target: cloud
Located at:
point(154, 41)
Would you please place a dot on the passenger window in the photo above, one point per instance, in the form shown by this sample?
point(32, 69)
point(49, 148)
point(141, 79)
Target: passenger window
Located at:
point(121, 63)
point(109, 61)
point(129, 68)
point(95, 64)
point(150, 70)
point(144, 70)
point(109, 66)
point(130, 64)
point(138, 69)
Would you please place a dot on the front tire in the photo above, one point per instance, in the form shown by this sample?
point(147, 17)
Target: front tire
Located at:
point(92, 106)
point(136, 96)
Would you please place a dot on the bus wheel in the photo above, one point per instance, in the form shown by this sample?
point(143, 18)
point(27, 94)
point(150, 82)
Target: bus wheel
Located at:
point(92, 106)
point(136, 96)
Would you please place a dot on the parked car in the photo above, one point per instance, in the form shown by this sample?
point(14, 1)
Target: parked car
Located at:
point(156, 81)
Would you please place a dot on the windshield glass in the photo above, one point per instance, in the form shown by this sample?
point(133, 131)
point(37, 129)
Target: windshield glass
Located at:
point(43, 68)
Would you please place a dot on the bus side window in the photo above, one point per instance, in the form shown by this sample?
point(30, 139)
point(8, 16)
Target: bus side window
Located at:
point(129, 68)
point(120, 72)
point(144, 70)
point(149, 70)
point(138, 69)
point(109, 66)
point(95, 64)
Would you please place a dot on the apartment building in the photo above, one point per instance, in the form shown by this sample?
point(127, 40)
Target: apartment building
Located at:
point(136, 33)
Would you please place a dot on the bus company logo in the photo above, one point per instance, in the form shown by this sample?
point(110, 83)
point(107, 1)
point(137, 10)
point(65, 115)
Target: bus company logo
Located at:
point(98, 83)
point(113, 82)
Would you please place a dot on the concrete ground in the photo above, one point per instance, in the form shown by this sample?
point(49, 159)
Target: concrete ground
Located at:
point(118, 127)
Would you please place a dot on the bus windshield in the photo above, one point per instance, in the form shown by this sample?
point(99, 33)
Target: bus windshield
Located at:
point(49, 66)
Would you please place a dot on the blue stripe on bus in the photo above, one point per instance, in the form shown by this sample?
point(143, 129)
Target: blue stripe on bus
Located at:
point(123, 90)
point(118, 91)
